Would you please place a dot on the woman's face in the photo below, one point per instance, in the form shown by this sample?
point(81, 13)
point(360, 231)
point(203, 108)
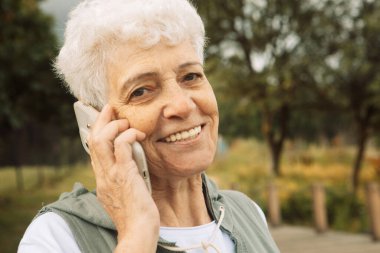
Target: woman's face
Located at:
point(164, 93)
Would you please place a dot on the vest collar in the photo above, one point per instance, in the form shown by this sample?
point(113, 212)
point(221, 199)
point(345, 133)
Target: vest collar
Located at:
point(214, 201)
point(84, 204)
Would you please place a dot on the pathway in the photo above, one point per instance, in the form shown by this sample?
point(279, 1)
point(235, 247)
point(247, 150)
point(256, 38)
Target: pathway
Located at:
point(300, 239)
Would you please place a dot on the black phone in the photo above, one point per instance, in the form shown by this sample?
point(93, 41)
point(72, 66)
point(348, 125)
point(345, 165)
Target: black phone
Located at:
point(86, 116)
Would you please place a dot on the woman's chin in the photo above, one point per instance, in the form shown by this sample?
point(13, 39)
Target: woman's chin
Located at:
point(184, 166)
point(189, 167)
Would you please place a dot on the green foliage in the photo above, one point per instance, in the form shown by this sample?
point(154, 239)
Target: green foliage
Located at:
point(35, 109)
point(266, 46)
point(355, 73)
point(26, 52)
point(345, 211)
point(238, 118)
point(299, 69)
point(17, 209)
point(298, 209)
point(244, 168)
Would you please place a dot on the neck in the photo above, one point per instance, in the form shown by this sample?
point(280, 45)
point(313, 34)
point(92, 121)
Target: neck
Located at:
point(181, 202)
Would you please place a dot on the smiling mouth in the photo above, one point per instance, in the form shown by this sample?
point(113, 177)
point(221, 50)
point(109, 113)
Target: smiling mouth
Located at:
point(183, 135)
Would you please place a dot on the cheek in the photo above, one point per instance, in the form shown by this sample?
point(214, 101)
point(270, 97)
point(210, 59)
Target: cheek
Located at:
point(142, 119)
point(208, 105)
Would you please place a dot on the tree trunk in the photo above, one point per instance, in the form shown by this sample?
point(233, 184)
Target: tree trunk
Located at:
point(358, 159)
point(276, 136)
point(276, 152)
point(363, 126)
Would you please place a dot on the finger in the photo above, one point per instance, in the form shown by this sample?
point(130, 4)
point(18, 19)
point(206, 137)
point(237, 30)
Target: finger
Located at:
point(105, 116)
point(122, 144)
point(101, 145)
point(111, 130)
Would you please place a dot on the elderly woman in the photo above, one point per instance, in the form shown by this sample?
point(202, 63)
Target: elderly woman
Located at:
point(141, 63)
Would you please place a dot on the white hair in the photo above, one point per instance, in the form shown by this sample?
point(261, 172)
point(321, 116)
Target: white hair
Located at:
point(95, 25)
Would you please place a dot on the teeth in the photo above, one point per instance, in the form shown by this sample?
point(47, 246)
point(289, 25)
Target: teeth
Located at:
point(184, 135)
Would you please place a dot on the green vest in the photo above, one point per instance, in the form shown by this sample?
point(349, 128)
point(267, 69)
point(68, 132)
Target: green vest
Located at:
point(94, 230)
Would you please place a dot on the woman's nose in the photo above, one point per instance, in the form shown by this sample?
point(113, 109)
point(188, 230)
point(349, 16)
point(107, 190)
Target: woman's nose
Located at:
point(179, 104)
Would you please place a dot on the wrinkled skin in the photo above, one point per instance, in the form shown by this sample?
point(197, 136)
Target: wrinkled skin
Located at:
point(153, 94)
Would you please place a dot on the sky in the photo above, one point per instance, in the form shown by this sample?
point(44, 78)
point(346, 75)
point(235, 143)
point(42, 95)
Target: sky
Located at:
point(59, 9)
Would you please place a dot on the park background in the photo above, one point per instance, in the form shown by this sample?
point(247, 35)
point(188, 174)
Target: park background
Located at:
point(298, 87)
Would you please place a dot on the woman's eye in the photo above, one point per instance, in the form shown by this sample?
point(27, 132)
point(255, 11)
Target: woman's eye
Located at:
point(138, 93)
point(191, 77)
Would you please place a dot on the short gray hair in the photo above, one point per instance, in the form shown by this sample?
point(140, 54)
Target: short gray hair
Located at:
point(95, 25)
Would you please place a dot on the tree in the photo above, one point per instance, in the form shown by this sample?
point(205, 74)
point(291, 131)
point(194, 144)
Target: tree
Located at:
point(298, 58)
point(353, 71)
point(33, 103)
point(267, 40)
point(237, 118)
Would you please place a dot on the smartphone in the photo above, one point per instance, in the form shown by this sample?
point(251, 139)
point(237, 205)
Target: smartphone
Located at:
point(86, 116)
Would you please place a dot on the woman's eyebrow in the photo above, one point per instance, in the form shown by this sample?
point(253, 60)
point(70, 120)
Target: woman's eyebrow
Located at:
point(138, 78)
point(143, 76)
point(187, 64)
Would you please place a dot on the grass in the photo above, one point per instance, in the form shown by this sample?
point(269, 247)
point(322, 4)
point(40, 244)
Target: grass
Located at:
point(247, 162)
point(17, 209)
point(245, 167)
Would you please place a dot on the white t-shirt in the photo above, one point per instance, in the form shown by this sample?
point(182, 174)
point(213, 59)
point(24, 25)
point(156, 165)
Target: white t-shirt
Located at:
point(49, 233)
point(190, 236)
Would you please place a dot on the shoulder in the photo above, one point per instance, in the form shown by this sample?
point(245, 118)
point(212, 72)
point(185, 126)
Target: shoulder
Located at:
point(244, 203)
point(239, 199)
point(48, 233)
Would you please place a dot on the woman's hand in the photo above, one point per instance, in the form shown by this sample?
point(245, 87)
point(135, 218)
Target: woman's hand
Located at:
point(119, 186)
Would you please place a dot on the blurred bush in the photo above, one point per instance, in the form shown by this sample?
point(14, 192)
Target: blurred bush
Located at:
point(245, 167)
